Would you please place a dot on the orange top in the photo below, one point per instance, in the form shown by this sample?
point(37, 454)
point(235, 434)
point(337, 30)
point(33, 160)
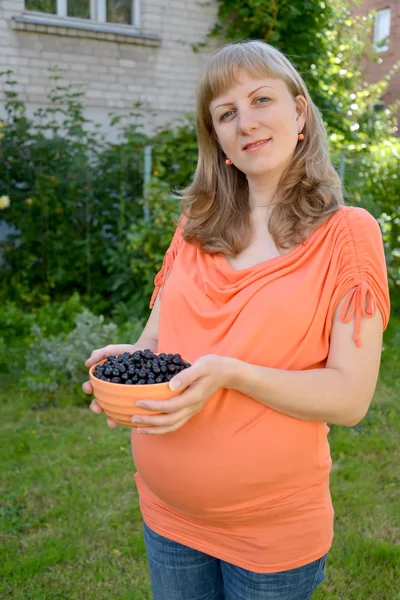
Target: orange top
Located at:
point(241, 481)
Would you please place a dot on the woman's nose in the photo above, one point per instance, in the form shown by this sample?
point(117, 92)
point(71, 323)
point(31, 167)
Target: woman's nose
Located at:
point(246, 123)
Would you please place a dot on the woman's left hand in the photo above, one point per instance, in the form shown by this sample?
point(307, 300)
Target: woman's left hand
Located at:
point(207, 375)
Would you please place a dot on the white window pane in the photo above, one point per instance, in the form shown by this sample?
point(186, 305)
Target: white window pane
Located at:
point(382, 29)
point(62, 8)
point(136, 13)
point(101, 10)
point(79, 8)
point(119, 11)
point(46, 6)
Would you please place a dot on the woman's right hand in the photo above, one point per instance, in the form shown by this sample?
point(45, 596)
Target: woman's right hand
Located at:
point(98, 355)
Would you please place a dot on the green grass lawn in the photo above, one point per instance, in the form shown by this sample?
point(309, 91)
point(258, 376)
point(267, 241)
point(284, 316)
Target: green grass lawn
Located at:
point(70, 522)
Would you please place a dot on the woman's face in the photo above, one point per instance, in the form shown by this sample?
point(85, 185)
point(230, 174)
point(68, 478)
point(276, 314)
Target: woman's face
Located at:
point(257, 110)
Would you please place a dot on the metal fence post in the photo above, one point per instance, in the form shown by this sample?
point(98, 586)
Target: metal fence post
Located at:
point(147, 167)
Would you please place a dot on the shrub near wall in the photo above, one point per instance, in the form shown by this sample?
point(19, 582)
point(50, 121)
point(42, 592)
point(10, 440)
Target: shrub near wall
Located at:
point(77, 203)
point(72, 198)
point(175, 153)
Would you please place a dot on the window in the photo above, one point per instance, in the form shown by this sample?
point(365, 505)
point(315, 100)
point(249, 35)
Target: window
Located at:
point(382, 30)
point(125, 12)
point(379, 106)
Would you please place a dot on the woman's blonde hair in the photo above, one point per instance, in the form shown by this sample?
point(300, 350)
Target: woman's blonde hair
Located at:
point(216, 204)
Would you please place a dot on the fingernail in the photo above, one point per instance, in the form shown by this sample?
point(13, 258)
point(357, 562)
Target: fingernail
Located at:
point(174, 384)
point(136, 420)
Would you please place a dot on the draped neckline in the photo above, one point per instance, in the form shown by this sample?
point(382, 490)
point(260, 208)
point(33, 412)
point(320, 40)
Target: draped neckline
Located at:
point(282, 258)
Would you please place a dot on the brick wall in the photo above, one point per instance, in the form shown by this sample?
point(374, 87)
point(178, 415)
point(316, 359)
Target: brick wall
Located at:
point(116, 71)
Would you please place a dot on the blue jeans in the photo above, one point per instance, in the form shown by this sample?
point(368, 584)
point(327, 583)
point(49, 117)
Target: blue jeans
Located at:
point(181, 573)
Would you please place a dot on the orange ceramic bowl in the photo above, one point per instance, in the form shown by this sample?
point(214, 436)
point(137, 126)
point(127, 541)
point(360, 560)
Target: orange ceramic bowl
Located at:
point(118, 400)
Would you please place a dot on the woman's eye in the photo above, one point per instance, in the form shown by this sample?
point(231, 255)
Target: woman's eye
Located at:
point(262, 98)
point(222, 117)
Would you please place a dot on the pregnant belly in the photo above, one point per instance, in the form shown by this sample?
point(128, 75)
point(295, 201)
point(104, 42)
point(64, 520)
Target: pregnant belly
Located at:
point(218, 469)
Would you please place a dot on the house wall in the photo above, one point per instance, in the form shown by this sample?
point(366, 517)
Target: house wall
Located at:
point(117, 71)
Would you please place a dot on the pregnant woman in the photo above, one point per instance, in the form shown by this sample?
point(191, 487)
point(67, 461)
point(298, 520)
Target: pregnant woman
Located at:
point(277, 294)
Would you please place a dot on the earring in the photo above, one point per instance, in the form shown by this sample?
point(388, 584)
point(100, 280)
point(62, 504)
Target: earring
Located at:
point(301, 137)
point(228, 162)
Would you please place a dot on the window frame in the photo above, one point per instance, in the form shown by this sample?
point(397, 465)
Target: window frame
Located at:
point(378, 16)
point(98, 15)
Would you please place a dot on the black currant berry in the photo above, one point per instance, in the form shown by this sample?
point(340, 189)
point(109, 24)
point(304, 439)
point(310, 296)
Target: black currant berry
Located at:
point(140, 368)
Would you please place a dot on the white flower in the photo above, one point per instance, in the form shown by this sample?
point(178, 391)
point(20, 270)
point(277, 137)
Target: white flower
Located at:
point(4, 202)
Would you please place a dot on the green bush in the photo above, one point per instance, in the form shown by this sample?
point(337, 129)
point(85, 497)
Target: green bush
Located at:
point(54, 318)
point(77, 204)
point(45, 349)
point(16, 324)
point(57, 361)
point(175, 153)
point(72, 196)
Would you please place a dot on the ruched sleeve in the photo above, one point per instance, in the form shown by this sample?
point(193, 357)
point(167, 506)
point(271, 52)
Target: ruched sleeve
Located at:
point(168, 261)
point(362, 278)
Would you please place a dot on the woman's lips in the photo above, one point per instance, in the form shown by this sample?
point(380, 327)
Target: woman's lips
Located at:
point(254, 148)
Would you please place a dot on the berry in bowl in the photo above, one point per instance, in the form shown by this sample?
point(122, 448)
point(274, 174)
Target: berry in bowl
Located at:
point(120, 381)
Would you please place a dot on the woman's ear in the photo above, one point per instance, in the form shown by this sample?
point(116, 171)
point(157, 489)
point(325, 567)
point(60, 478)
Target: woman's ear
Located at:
point(301, 110)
